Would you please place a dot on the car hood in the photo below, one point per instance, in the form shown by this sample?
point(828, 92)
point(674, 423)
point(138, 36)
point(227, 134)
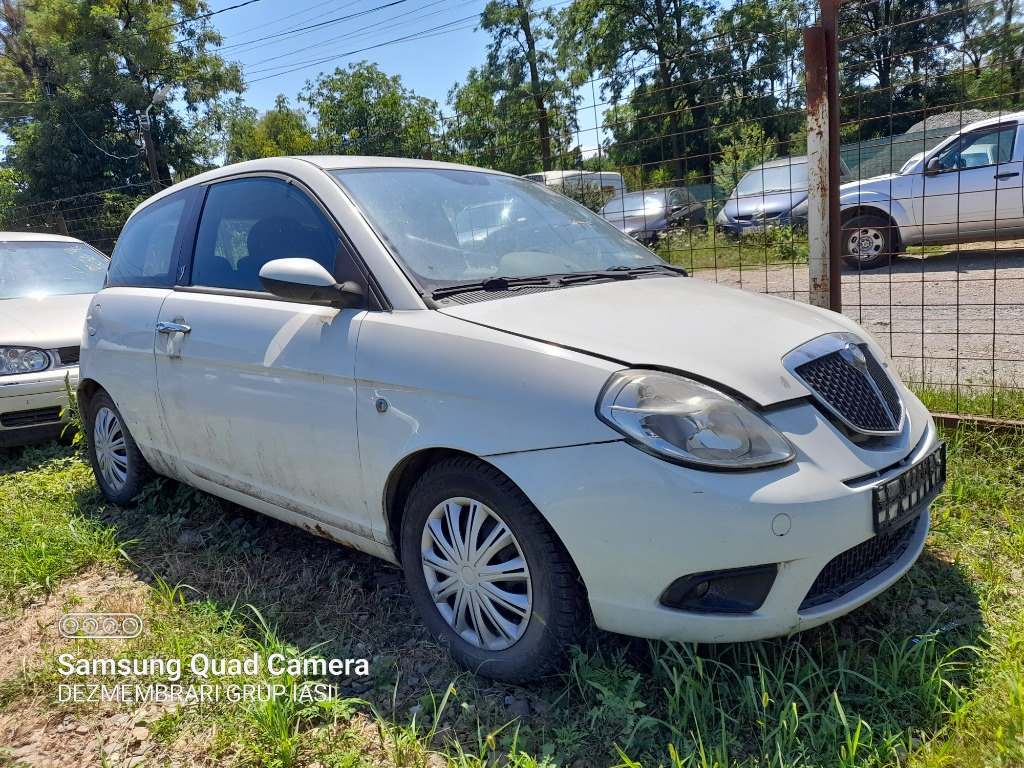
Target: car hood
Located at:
point(47, 322)
point(771, 203)
point(731, 337)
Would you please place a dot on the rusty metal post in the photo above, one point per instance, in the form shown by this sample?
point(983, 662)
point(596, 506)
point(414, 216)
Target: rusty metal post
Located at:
point(830, 26)
point(819, 263)
point(821, 64)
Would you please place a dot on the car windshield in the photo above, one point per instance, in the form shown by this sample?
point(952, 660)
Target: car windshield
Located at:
point(37, 269)
point(455, 226)
point(636, 204)
point(781, 178)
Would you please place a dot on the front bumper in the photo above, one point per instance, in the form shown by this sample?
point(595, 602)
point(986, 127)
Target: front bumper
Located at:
point(31, 406)
point(751, 227)
point(634, 524)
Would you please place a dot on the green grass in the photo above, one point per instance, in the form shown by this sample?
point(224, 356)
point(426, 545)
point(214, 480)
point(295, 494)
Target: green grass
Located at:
point(929, 674)
point(1002, 402)
point(700, 248)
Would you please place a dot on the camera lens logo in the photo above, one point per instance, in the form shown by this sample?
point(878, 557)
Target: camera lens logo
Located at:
point(100, 626)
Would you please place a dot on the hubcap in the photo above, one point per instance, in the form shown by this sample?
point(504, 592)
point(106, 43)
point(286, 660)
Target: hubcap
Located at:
point(866, 243)
point(476, 573)
point(111, 450)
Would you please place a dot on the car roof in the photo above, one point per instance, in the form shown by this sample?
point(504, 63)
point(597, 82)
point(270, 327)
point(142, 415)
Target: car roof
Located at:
point(795, 160)
point(35, 237)
point(1009, 117)
point(298, 165)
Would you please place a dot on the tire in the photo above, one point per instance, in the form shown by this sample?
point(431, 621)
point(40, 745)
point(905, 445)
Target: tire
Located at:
point(119, 467)
point(867, 242)
point(521, 627)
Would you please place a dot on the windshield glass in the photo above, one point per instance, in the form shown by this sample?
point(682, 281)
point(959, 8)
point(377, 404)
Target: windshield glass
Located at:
point(37, 269)
point(636, 204)
point(454, 226)
point(781, 178)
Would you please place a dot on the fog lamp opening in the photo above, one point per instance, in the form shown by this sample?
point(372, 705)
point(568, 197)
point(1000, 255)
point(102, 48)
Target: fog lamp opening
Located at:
point(736, 590)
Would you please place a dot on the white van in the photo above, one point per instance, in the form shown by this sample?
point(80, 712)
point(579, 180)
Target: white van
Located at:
point(608, 181)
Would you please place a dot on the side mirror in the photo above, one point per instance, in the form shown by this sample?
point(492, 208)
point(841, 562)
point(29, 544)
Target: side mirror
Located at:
point(932, 166)
point(307, 281)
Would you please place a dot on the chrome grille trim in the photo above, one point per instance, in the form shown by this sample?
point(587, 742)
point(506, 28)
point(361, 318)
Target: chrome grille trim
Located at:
point(865, 399)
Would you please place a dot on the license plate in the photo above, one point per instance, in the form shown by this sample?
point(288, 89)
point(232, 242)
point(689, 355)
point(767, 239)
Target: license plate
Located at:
point(755, 229)
point(902, 498)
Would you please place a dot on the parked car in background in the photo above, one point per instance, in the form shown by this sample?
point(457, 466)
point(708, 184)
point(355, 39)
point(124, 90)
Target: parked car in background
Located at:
point(648, 215)
point(766, 196)
point(46, 283)
point(527, 426)
point(966, 189)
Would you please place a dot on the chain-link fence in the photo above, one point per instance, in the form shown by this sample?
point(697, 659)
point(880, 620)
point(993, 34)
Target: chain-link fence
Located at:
point(697, 146)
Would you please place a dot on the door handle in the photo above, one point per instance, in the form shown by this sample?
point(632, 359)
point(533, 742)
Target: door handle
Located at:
point(163, 327)
point(1007, 175)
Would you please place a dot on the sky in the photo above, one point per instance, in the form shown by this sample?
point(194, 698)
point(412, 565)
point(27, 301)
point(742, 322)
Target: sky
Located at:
point(430, 44)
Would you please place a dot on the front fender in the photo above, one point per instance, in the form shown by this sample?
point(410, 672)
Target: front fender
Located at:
point(878, 200)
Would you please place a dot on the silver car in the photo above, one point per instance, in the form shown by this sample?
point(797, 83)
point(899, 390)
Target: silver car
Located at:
point(966, 189)
point(46, 282)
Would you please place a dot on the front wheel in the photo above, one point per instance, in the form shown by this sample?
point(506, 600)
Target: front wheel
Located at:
point(487, 574)
point(867, 242)
point(120, 469)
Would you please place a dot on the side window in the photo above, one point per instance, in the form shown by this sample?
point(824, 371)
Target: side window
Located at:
point(677, 198)
point(978, 149)
point(144, 254)
point(248, 222)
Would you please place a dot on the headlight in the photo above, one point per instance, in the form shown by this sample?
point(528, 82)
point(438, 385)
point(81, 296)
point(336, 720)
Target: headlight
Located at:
point(23, 360)
point(687, 422)
point(721, 218)
point(801, 209)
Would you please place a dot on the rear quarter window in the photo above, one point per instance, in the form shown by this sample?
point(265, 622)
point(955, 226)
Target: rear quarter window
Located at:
point(146, 252)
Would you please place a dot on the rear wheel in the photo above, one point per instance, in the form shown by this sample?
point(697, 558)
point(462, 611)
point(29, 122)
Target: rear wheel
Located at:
point(120, 469)
point(487, 574)
point(867, 241)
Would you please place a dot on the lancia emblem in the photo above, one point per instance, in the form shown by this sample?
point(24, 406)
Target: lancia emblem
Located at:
point(854, 356)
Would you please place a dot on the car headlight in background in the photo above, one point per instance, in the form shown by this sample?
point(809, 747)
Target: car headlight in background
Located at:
point(684, 421)
point(23, 360)
point(800, 211)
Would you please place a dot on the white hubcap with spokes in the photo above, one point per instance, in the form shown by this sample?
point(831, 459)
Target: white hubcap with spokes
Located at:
point(111, 449)
point(866, 243)
point(476, 573)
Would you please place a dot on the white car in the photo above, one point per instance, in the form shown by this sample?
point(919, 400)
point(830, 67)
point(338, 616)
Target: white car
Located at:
point(553, 428)
point(46, 282)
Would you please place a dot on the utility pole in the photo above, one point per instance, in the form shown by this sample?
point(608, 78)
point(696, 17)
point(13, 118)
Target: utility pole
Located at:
point(147, 137)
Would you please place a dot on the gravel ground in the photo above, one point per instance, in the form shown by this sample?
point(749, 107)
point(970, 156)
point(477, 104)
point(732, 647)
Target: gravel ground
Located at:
point(950, 318)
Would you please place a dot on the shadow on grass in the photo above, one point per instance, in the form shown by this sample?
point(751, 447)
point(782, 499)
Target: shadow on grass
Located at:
point(893, 664)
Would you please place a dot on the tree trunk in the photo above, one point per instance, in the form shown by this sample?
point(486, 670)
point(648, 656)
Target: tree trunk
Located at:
point(543, 122)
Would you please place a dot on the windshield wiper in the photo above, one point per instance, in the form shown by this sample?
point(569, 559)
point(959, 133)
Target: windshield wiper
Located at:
point(619, 272)
point(496, 283)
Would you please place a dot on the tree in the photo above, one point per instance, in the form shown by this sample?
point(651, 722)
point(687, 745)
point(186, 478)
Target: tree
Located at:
point(279, 131)
point(521, 68)
point(657, 51)
point(746, 145)
point(84, 68)
point(362, 111)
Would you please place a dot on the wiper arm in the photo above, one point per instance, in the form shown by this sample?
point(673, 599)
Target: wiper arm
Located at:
point(619, 272)
point(649, 268)
point(496, 283)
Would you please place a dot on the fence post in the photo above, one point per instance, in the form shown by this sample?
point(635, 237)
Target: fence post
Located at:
point(821, 63)
point(818, 229)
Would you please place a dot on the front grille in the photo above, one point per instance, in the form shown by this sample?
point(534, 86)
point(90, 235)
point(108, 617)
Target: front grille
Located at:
point(30, 418)
point(858, 565)
point(866, 400)
point(69, 355)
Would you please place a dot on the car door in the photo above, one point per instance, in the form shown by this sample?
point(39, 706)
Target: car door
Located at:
point(120, 323)
point(258, 392)
point(975, 188)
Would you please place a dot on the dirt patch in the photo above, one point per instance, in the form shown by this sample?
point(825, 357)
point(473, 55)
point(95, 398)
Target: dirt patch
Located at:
point(955, 318)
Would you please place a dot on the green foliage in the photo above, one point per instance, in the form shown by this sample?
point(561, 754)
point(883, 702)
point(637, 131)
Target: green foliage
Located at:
point(742, 147)
point(279, 131)
point(86, 68)
point(362, 111)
